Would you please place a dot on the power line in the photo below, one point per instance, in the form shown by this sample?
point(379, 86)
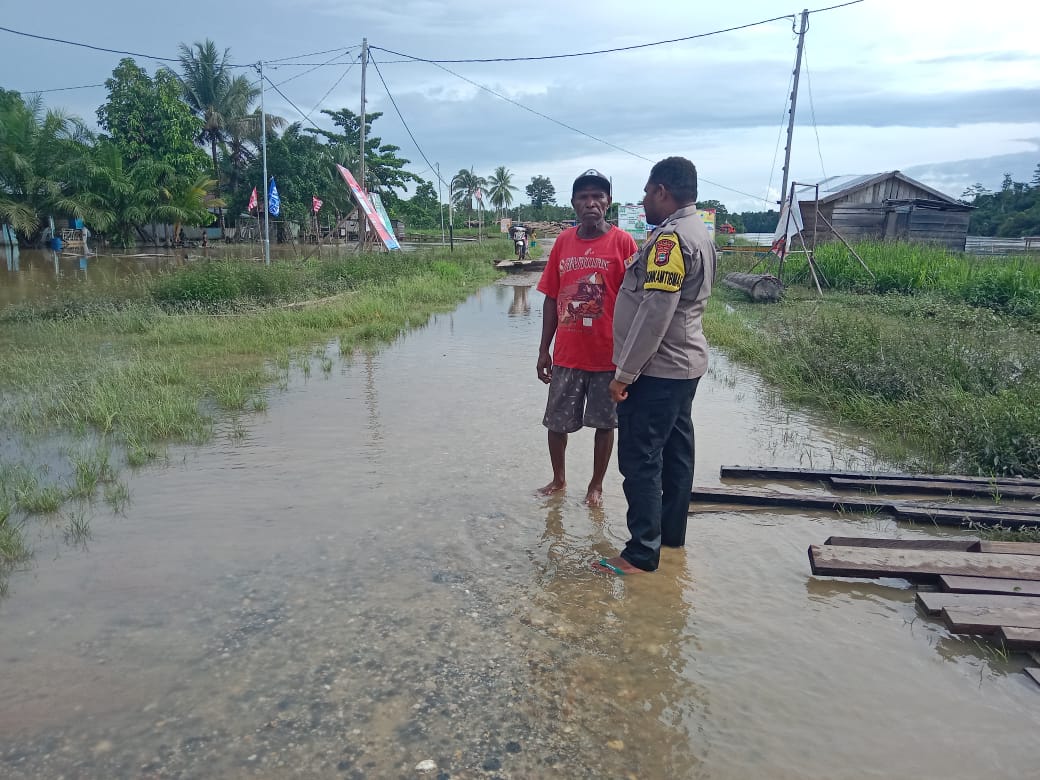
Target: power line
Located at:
point(87, 45)
point(287, 100)
point(328, 92)
point(590, 53)
point(575, 129)
point(58, 89)
point(311, 54)
point(812, 112)
point(401, 117)
point(319, 65)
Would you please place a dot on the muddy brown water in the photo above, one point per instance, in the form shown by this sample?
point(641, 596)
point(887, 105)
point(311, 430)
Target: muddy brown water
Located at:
point(364, 581)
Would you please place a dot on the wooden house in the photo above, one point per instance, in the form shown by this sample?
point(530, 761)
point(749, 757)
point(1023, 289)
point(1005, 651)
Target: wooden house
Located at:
point(884, 206)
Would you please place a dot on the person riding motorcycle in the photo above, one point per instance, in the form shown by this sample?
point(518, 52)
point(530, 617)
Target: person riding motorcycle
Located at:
point(519, 235)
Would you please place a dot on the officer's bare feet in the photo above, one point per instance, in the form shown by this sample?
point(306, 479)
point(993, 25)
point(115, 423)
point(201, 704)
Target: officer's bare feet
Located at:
point(553, 487)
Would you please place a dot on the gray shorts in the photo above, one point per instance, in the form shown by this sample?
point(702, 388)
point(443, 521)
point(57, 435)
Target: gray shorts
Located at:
point(579, 398)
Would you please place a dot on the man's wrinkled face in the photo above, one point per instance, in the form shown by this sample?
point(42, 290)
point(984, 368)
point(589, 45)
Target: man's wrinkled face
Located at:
point(590, 204)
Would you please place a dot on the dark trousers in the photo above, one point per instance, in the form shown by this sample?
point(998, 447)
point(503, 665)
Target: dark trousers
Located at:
point(655, 455)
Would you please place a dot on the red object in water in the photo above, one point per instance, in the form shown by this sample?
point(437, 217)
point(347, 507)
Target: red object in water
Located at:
point(725, 227)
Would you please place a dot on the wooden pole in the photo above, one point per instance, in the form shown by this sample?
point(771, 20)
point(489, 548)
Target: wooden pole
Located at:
point(794, 98)
point(363, 222)
point(848, 246)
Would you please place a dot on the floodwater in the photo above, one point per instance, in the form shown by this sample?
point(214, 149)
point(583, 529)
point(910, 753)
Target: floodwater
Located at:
point(361, 579)
point(30, 274)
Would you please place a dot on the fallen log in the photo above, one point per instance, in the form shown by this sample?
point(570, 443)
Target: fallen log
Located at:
point(759, 287)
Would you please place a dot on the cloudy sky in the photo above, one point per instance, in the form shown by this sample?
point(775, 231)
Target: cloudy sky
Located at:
point(948, 92)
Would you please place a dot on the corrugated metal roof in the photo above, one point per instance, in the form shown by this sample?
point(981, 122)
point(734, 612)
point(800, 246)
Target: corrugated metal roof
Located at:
point(833, 186)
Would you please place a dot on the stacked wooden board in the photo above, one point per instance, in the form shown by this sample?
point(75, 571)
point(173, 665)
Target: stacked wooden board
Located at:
point(988, 588)
point(1014, 502)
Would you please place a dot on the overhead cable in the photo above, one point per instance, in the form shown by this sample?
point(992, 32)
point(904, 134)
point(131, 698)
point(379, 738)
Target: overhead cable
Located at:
point(401, 117)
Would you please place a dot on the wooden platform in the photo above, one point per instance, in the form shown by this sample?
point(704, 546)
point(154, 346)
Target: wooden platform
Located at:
point(781, 473)
point(956, 515)
point(514, 266)
point(990, 589)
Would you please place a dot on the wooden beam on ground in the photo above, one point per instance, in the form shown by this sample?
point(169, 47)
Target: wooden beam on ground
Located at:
point(980, 620)
point(919, 565)
point(975, 490)
point(1033, 673)
point(935, 602)
point(1014, 548)
point(964, 545)
point(955, 583)
point(785, 473)
point(1020, 639)
point(758, 287)
point(951, 515)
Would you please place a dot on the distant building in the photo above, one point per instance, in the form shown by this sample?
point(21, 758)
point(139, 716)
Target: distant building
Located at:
point(882, 206)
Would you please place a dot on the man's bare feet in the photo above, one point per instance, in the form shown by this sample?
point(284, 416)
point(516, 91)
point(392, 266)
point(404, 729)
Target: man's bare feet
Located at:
point(553, 487)
point(595, 495)
point(617, 566)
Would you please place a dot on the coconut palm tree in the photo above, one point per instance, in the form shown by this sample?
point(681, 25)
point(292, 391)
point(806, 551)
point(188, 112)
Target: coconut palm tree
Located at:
point(40, 150)
point(216, 96)
point(465, 186)
point(501, 189)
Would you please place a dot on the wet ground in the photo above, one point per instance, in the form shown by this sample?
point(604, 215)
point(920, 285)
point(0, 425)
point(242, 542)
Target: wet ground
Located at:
point(364, 585)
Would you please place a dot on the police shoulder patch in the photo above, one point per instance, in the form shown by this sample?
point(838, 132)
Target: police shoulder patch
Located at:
point(666, 269)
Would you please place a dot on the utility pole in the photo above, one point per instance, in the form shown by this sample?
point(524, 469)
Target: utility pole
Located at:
point(794, 101)
point(440, 202)
point(362, 221)
point(267, 186)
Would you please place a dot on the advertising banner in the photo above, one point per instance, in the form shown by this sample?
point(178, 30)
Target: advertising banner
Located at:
point(365, 204)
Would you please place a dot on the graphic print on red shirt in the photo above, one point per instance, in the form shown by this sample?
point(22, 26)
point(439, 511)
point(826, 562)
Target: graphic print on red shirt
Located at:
point(584, 276)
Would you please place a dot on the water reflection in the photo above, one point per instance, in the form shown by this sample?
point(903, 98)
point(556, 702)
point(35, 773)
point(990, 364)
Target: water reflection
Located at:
point(520, 307)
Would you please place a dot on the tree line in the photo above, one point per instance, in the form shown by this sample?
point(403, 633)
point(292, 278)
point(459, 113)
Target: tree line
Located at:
point(1013, 212)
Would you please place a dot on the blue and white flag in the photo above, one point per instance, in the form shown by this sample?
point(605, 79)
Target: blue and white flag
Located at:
point(274, 203)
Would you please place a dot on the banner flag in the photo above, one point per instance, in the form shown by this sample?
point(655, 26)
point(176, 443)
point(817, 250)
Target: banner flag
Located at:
point(786, 228)
point(383, 231)
point(252, 201)
point(274, 203)
point(316, 204)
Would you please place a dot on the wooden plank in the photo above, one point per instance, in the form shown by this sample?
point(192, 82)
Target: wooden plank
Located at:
point(1015, 548)
point(784, 472)
point(964, 545)
point(950, 488)
point(1020, 639)
point(935, 602)
point(1012, 587)
point(1033, 673)
point(980, 620)
point(919, 565)
point(955, 515)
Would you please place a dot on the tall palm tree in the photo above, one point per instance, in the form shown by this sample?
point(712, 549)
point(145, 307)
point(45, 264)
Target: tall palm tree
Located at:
point(500, 188)
point(216, 96)
point(465, 186)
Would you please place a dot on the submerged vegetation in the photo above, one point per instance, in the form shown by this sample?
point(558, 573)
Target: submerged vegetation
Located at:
point(944, 376)
point(205, 340)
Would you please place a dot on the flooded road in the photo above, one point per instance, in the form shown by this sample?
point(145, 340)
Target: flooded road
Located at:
point(361, 580)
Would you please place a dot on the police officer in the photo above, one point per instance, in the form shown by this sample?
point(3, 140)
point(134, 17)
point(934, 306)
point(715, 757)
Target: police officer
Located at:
point(661, 354)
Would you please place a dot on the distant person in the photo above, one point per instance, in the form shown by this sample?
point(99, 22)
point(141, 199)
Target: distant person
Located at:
point(519, 235)
point(580, 282)
point(205, 239)
point(661, 354)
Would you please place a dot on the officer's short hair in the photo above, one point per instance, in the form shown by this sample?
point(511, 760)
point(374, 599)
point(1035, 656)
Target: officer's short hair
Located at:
point(678, 175)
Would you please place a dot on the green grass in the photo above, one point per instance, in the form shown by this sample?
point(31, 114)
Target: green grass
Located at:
point(938, 384)
point(1006, 285)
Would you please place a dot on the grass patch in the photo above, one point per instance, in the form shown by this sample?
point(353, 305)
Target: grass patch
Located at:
point(1006, 285)
point(13, 547)
point(940, 384)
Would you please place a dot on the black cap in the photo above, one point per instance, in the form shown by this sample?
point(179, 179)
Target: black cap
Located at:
point(592, 176)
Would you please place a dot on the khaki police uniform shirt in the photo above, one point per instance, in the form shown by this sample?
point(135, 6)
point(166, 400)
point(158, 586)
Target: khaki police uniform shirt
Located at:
point(657, 317)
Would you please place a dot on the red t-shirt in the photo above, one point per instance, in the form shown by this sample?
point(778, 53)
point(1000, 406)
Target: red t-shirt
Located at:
point(584, 276)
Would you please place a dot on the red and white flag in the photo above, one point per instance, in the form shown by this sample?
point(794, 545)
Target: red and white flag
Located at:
point(252, 201)
point(316, 204)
